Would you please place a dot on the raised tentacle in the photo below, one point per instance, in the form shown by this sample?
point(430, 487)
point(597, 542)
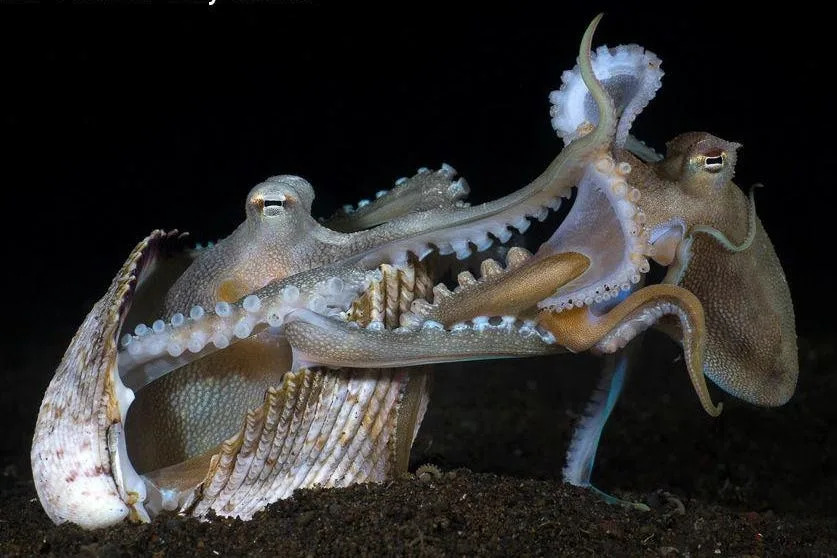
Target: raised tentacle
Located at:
point(631, 76)
point(425, 190)
point(454, 230)
point(580, 330)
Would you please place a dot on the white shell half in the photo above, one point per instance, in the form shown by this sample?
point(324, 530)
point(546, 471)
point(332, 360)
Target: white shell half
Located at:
point(77, 462)
point(630, 74)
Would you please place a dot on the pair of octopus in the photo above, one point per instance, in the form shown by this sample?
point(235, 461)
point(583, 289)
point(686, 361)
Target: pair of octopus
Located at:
point(352, 299)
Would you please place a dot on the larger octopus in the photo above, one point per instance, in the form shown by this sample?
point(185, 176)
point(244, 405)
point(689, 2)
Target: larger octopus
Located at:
point(293, 352)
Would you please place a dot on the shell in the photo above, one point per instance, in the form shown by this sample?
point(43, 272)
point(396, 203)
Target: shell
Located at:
point(83, 410)
point(316, 428)
point(319, 428)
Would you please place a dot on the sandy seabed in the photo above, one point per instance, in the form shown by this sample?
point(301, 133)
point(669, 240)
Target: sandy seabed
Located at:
point(753, 482)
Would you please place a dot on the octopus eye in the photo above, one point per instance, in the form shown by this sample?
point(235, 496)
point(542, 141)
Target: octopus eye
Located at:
point(272, 207)
point(714, 161)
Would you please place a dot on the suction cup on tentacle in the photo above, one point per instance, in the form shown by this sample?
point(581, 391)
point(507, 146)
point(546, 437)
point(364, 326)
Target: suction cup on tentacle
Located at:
point(630, 74)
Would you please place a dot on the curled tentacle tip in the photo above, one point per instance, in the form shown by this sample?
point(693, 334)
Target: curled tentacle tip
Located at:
point(587, 39)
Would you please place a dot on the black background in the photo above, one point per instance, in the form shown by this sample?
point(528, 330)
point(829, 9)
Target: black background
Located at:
point(118, 121)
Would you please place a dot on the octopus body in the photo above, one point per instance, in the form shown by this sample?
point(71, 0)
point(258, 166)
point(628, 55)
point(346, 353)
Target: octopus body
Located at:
point(297, 352)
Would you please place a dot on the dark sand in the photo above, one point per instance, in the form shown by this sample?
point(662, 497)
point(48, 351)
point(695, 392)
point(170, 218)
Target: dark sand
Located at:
point(754, 482)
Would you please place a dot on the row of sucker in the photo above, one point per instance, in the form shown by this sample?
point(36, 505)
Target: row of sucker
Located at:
point(318, 341)
point(463, 240)
point(427, 188)
point(478, 227)
point(610, 177)
point(638, 322)
point(152, 351)
point(630, 74)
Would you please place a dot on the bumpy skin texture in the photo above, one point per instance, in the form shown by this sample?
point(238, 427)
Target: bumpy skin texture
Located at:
point(751, 345)
point(751, 348)
point(207, 398)
point(285, 294)
point(717, 249)
point(278, 239)
point(273, 242)
point(204, 402)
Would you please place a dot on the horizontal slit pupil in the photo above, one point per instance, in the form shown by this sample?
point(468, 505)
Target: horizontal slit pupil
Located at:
point(273, 203)
point(714, 161)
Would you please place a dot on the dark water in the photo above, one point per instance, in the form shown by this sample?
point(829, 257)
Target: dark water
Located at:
point(112, 126)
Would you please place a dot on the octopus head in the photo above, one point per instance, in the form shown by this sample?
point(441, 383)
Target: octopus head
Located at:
point(281, 203)
point(265, 246)
point(699, 162)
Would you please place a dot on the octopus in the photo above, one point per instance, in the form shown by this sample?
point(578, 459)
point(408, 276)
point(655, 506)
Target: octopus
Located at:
point(297, 351)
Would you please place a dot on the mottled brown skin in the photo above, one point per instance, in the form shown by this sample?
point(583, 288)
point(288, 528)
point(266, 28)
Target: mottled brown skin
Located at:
point(751, 347)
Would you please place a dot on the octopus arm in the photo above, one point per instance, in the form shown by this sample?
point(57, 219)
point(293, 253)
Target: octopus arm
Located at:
point(580, 329)
point(423, 191)
point(454, 230)
point(320, 341)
